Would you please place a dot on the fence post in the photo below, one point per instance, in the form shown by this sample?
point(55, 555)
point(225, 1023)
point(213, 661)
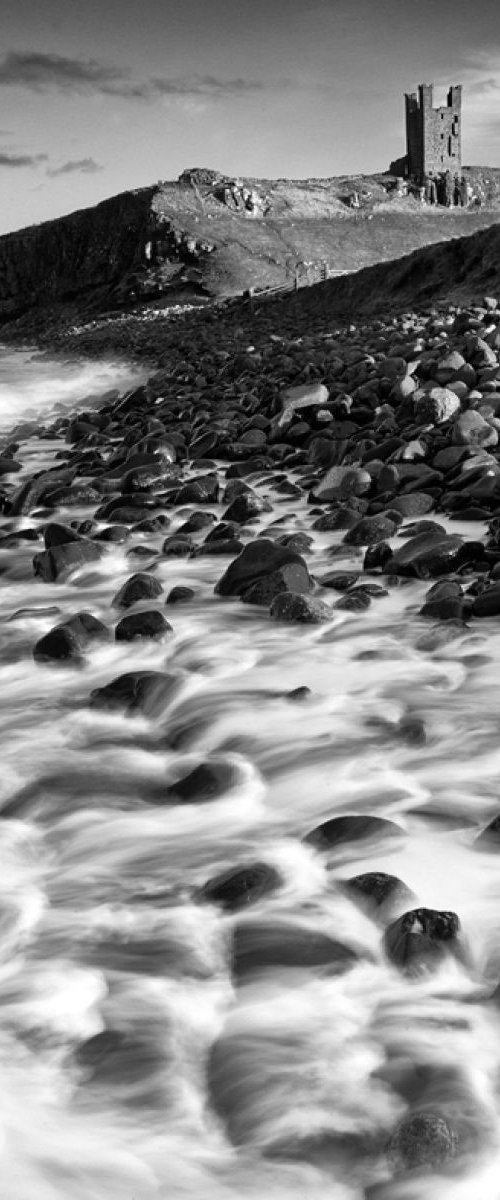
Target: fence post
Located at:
point(296, 281)
point(251, 300)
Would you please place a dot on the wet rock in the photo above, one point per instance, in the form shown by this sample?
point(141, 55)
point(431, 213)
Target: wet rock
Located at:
point(421, 938)
point(341, 518)
point(263, 945)
point(196, 522)
point(487, 604)
point(412, 504)
point(32, 491)
point(258, 559)
point(240, 886)
point(113, 533)
point(177, 547)
point(371, 529)
point(68, 640)
point(298, 694)
point(296, 608)
point(427, 555)
point(444, 601)
point(179, 594)
point(202, 490)
point(245, 508)
point(341, 831)
point(207, 781)
point(290, 578)
point(377, 557)
point(147, 692)
point(218, 548)
point(61, 560)
point(141, 586)
point(422, 1140)
point(378, 892)
point(147, 624)
point(343, 481)
point(489, 839)
point(355, 601)
point(340, 581)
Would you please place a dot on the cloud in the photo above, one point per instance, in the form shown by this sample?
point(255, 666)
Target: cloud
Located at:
point(85, 166)
point(22, 160)
point(38, 72)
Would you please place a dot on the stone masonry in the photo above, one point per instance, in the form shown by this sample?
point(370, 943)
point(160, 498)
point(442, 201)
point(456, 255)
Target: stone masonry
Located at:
point(433, 135)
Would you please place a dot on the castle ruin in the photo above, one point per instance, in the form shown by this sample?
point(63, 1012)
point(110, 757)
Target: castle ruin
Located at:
point(433, 135)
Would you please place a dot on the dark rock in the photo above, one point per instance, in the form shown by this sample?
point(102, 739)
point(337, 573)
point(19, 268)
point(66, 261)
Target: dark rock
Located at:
point(32, 491)
point(179, 594)
point(377, 892)
point(298, 694)
point(258, 558)
point(421, 938)
point(489, 839)
point(487, 604)
point(147, 624)
point(340, 581)
point(413, 504)
point(370, 530)
point(444, 601)
point(377, 556)
point(340, 831)
point(355, 601)
point(261, 946)
point(245, 508)
point(113, 533)
point(219, 547)
point(427, 555)
point(422, 1140)
point(296, 608)
point(147, 692)
point(177, 547)
point(202, 490)
point(58, 562)
point(207, 781)
point(55, 534)
point(197, 520)
point(239, 886)
point(340, 518)
point(291, 578)
point(67, 641)
point(141, 586)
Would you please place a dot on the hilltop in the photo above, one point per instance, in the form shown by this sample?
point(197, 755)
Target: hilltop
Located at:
point(195, 237)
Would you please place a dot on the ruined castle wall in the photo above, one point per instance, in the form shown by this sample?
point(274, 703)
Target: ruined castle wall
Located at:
point(433, 135)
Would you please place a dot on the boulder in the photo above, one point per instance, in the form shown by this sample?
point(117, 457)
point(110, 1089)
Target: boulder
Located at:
point(427, 555)
point(377, 892)
point(370, 530)
point(290, 578)
point(147, 692)
point(258, 559)
point(471, 429)
point(207, 781)
point(352, 828)
point(422, 1140)
point(239, 886)
point(61, 560)
point(436, 406)
point(309, 395)
point(340, 482)
point(68, 640)
point(141, 586)
point(421, 938)
point(147, 624)
point(266, 945)
point(297, 608)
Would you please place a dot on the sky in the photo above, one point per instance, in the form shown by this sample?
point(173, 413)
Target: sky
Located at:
point(102, 96)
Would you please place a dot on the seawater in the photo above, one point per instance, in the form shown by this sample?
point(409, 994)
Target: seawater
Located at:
point(99, 926)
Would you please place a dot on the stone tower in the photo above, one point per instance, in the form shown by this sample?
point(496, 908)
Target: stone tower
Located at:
point(433, 135)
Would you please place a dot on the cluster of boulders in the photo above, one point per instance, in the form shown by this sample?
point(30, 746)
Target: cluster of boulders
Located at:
point(380, 435)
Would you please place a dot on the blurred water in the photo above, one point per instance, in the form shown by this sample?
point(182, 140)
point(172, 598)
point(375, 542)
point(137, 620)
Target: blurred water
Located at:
point(289, 1084)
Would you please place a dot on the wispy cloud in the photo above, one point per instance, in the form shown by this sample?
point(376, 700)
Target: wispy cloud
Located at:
point(38, 72)
point(22, 160)
point(85, 166)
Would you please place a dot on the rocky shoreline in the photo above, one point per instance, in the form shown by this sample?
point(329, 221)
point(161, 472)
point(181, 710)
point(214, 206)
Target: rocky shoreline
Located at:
point(382, 433)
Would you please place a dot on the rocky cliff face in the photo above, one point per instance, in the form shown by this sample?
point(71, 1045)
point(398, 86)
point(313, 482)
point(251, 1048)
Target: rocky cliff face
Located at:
point(208, 233)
